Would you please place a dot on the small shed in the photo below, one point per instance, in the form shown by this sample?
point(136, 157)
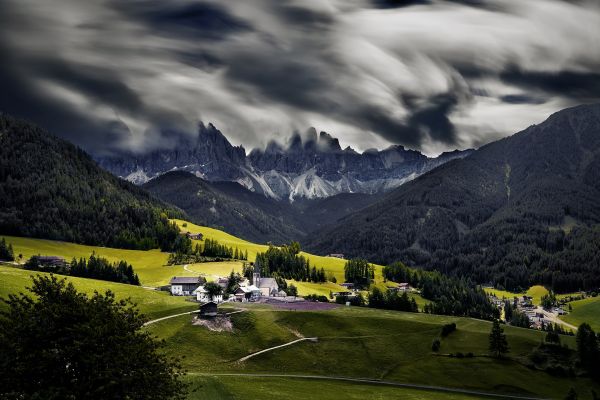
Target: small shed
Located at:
point(208, 309)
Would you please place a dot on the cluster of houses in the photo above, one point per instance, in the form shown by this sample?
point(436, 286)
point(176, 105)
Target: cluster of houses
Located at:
point(247, 291)
point(538, 316)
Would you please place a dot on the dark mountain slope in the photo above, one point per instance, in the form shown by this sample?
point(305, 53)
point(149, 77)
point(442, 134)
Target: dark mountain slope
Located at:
point(51, 189)
point(225, 205)
point(250, 215)
point(518, 211)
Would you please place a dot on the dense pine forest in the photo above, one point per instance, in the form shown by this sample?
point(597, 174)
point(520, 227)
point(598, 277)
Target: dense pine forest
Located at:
point(212, 250)
point(53, 190)
point(287, 263)
point(449, 296)
point(520, 211)
point(94, 268)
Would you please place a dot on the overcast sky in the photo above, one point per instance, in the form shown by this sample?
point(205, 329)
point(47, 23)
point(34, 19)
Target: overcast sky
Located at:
point(431, 75)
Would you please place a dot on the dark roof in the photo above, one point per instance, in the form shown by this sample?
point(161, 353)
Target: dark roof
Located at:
point(210, 307)
point(182, 280)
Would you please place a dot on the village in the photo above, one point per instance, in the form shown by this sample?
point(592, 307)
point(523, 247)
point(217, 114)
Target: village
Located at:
point(539, 317)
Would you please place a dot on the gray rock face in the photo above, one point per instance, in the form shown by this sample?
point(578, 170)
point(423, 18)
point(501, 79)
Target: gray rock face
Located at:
point(310, 166)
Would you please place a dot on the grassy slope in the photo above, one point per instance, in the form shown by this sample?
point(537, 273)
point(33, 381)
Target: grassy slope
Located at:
point(293, 389)
point(363, 343)
point(586, 310)
point(151, 265)
point(152, 303)
point(330, 264)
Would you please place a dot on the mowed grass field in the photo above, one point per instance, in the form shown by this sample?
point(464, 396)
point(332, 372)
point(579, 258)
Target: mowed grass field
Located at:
point(586, 310)
point(152, 303)
point(358, 343)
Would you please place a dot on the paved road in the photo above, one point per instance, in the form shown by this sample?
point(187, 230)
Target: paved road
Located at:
point(554, 318)
point(379, 382)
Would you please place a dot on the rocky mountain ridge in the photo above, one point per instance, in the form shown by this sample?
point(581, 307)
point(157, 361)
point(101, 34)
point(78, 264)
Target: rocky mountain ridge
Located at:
point(310, 166)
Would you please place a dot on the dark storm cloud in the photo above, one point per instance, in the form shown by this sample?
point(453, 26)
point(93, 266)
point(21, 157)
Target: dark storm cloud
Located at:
point(195, 20)
point(407, 3)
point(579, 86)
point(429, 74)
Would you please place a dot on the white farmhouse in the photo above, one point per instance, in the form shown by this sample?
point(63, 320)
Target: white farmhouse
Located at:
point(185, 285)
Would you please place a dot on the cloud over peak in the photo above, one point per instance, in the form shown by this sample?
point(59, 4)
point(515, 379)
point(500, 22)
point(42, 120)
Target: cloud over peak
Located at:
point(428, 74)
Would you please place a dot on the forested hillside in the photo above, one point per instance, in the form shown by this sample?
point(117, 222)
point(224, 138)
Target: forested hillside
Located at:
point(51, 189)
point(252, 216)
point(207, 205)
point(518, 211)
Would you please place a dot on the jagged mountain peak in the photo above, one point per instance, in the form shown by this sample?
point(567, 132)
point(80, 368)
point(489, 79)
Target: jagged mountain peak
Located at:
point(309, 166)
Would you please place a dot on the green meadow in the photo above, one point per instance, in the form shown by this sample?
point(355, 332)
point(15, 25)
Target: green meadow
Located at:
point(352, 342)
point(152, 303)
point(586, 310)
point(361, 343)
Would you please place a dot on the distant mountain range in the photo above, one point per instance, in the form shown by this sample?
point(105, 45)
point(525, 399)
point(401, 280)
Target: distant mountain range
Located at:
point(310, 167)
point(523, 210)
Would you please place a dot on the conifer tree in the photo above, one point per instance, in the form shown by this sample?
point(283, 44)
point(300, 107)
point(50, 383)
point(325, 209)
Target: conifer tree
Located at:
point(498, 343)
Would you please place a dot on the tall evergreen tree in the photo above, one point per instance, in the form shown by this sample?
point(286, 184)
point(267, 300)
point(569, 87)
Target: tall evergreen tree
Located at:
point(498, 342)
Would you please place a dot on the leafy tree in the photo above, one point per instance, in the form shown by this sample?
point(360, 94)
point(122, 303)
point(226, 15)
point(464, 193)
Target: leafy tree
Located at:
point(292, 290)
point(62, 344)
point(548, 300)
point(6, 251)
point(498, 344)
point(213, 289)
point(233, 282)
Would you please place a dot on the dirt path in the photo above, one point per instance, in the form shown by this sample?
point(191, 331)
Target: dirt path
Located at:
point(185, 313)
point(379, 382)
point(312, 339)
point(169, 316)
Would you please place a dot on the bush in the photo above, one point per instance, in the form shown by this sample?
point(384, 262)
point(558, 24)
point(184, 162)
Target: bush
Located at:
point(316, 297)
point(435, 346)
point(448, 329)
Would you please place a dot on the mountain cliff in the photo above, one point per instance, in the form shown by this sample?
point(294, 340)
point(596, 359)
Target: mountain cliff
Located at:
point(309, 167)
